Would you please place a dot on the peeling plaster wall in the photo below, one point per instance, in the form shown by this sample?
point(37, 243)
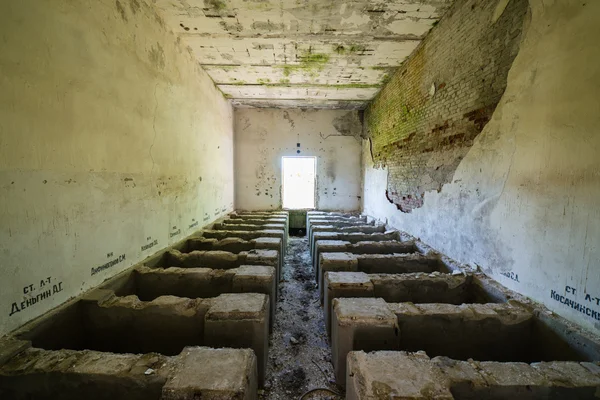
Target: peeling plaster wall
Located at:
point(523, 203)
point(263, 136)
point(114, 143)
point(425, 119)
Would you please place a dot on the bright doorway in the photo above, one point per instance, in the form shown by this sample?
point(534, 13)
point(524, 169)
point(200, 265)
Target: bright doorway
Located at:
point(299, 182)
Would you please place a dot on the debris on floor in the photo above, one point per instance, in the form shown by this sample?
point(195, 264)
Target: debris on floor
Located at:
point(299, 354)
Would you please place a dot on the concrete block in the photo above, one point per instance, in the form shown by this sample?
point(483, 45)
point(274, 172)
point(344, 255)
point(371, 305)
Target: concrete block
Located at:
point(205, 283)
point(413, 288)
point(73, 375)
point(360, 324)
point(361, 247)
point(351, 284)
point(385, 374)
point(262, 217)
point(200, 259)
point(422, 288)
point(563, 373)
point(236, 245)
point(394, 375)
point(242, 322)
point(203, 373)
point(246, 235)
point(323, 246)
point(513, 380)
point(310, 215)
point(594, 368)
point(337, 222)
point(354, 237)
point(220, 226)
point(367, 229)
point(247, 227)
point(10, 347)
point(399, 263)
point(219, 259)
point(337, 262)
point(459, 372)
point(231, 244)
point(255, 279)
point(280, 213)
point(256, 221)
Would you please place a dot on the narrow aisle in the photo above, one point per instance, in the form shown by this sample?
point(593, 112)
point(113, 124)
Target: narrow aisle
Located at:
point(299, 354)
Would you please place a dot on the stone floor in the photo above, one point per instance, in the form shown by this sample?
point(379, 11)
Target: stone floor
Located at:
point(299, 352)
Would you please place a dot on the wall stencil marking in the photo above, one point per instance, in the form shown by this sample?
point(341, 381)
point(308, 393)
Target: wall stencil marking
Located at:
point(30, 298)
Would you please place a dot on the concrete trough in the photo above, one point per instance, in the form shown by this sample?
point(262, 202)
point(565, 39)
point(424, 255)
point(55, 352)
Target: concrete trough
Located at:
point(314, 223)
point(103, 321)
point(415, 376)
point(352, 237)
point(395, 263)
point(328, 220)
point(506, 332)
point(246, 235)
point(262, 215)
point(279, 213)
point(218, 259)
point(196, 372)
point(321, 215)
point(258, 220)
point(235, 245)
point(150, 283)
point(314, 230)
point(389, 245)
point(333, 214)
point(232, 244)
point(220, 226)
point(416, 288)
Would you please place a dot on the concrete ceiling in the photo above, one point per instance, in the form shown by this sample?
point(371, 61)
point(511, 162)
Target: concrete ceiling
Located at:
point(301, 53)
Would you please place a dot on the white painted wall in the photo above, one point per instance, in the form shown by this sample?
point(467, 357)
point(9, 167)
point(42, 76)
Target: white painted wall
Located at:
point(525, 200)
point(263, 136)
point(112, 138)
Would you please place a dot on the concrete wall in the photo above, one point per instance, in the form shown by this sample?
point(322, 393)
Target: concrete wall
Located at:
point(523, 203)
point(113, 144)
point(263, 136)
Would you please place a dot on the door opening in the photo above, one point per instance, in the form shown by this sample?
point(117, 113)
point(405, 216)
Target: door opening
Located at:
point(298, 182)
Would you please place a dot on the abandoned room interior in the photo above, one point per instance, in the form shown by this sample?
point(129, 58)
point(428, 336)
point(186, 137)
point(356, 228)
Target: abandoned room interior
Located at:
point(300, 199)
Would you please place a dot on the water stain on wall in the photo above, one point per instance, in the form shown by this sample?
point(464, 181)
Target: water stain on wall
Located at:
point(156, 55)
point(121, 10)
point(134, 5)
point(348, 124)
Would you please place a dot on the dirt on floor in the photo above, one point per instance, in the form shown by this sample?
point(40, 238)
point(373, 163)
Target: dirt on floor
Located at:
point(299, 352)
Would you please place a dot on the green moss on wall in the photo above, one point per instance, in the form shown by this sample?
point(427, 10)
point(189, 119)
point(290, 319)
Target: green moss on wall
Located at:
point(398, 110)
point(310, 64)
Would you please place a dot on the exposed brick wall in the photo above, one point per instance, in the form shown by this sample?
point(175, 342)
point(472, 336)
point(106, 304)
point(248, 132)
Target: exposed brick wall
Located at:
point(420, 133)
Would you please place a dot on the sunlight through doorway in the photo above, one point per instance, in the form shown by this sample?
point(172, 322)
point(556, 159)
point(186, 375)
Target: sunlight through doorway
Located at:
point(298, 182)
